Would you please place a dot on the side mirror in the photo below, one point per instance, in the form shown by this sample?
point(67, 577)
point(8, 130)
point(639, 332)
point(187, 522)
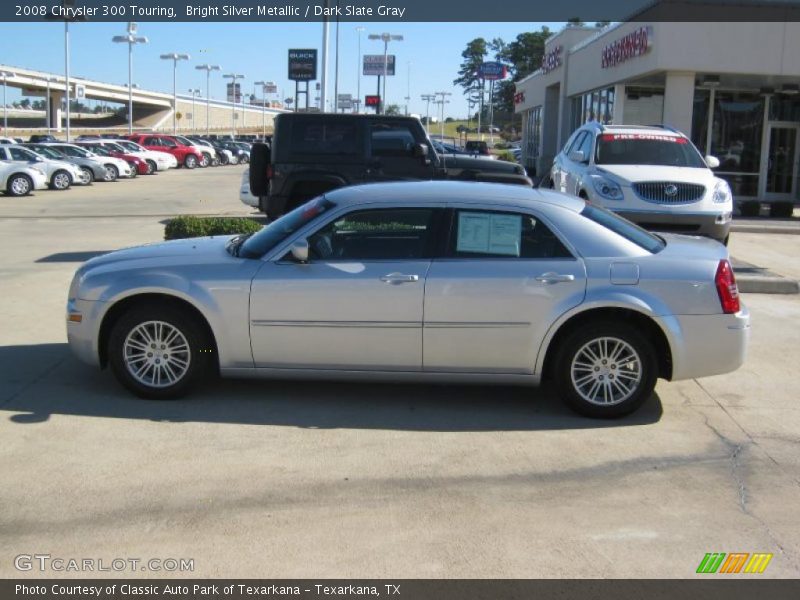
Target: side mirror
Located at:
point(420, 151)
point(712, 162)
point(299, 251)
point(577, 156)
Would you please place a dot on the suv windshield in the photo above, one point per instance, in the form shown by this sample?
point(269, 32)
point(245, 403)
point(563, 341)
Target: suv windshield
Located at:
point(646, 149)
point(623, 227)
point(270, 236)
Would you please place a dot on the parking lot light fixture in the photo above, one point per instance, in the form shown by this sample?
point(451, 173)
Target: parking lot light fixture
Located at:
point(195, 93)
point(131, 39)
point(428, 98)
point(233, 77)
point(175, 57)
point(5, 75)
point(385, 38)
point(263, 85)
point(442, 101)
point(208, 69)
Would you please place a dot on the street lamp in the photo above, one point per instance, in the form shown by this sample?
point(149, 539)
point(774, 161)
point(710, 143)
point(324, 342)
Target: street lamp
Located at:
point(263, 85)
point(174, 57)
point(131, 39)
point(442, 102)
point(385, 38)
point(5, 75)
point(194, 92)
point(408, 91)
point(358, 65)
point(428, 98)
point(233, 77)
point(208, 69)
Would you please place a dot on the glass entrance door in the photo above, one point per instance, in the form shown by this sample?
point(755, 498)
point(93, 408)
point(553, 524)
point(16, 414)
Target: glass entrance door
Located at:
point(782, 162)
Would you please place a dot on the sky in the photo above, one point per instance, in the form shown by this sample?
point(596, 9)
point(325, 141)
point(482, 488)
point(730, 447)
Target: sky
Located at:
point(256, 50)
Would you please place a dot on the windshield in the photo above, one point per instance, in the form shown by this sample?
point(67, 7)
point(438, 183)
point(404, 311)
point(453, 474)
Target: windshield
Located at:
point(184, 141)
point(277, 231)
point(49, 152)
point(114, 147)
point(74, 151)
point(623, 227)
point(132, 146)
point(98, 149)
point(646, 149)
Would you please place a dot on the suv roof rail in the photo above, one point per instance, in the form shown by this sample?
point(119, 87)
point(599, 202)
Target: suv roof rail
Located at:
point(669, 128)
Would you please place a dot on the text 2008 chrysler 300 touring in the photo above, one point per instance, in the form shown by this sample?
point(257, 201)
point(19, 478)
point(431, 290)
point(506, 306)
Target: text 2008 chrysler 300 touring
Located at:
point(441, 281)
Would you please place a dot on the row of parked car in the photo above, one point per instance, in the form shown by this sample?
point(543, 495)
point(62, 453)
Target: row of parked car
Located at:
point(45, 162)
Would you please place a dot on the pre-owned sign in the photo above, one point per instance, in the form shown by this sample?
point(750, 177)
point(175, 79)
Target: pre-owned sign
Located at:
point(636, 43)
point(303, 65)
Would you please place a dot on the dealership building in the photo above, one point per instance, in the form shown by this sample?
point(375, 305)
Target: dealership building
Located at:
point(732, 87)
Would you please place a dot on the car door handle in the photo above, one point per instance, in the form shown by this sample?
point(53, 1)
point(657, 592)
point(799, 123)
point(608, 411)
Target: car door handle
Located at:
point(398, 278)
point(555, 278)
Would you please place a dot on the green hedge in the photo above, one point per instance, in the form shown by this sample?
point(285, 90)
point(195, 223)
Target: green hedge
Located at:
point(190, 227)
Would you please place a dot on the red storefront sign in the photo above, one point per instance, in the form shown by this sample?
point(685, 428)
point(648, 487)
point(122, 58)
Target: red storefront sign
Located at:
point(551, 60)
point(636, 43)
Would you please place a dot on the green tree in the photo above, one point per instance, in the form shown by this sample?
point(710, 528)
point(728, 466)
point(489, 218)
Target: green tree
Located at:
point(474, 56)
point(523, 56)
point(393, 109)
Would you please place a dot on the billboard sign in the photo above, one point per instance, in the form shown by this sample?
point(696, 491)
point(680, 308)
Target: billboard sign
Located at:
point(303, 65)
point(373, 100)
point(492, 71)
point(373, 64)
point(234, 96)
point(270, 88)
point(344, 101)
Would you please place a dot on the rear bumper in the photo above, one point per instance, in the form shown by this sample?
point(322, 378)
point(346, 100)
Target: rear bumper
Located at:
point(713, 225)
point(705, 345)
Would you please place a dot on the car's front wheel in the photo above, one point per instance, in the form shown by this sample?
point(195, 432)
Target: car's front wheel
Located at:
point(190, 162)
point(134, 169)
point(205, 161)
point(87, 175)
point(158, 353)
point(111, 173)
point(60, 181)
point(19, 185)
point(151, 167)
point(606, 369)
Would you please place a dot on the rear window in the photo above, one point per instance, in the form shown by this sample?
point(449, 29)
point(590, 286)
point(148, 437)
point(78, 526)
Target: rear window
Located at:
point(319, 137)
point(622, 227)
point(646, 149)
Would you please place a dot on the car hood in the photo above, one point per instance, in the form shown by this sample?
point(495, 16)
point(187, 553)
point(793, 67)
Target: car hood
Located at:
point(211, 249)
point(58, 164)
point(481, 164)
point(636, 173)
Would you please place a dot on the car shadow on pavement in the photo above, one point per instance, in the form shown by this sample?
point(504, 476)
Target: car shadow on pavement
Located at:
point(38, 381)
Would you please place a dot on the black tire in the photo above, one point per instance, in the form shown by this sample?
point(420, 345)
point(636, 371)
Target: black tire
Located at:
point(244, 159)
point(215, 161)
point(199, 356)
point(573, 346)
point(112, 173)
point(152, 167)
point(134, 170)
point(19, 184)
point(190, 162)
point(88, 174)
point(60, 180)
point(223, 159)
point(205, 161)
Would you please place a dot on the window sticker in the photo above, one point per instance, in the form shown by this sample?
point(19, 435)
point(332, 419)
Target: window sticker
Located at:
point(489, 233)
point(612, 137)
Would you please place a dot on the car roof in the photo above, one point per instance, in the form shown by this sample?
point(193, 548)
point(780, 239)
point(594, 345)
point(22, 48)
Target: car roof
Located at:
point(641, 129)
point(455, 191)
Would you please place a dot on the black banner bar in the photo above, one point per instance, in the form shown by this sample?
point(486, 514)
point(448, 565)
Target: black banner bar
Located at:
point(707, 587)
point(399, 11)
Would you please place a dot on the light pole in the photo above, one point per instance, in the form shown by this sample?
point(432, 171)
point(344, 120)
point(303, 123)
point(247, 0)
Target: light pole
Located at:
point(194, 92)
point(443, 101)
point(428, 98)
point(208, 69)
point(131, 39)
point(385, 38)
point(263, 85)
point(175, 57)
point(408, 91)
point(358, 66)
point(233, 77)
point(5, 75)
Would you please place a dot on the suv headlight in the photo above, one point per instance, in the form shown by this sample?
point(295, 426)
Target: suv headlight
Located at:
point(610, 190)
point(722, 193)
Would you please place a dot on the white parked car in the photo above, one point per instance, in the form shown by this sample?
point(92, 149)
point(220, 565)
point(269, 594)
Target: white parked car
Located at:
point(21, 180)
point(653, 176)
point(160, 160)
point(245, 195)
point(60, 174)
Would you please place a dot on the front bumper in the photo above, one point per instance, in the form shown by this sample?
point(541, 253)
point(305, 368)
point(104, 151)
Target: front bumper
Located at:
point(715, 225)
point(705, 345)
point(82, 336)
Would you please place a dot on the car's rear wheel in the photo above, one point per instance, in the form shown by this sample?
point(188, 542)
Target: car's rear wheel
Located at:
point(190, 162)
point(158, 353)
point(244, 160)
point(152, 167)
point(111, 174)
point(60, 181)
point(87, 175)
point(19, 185)
point(606, 369)
point(223, 159)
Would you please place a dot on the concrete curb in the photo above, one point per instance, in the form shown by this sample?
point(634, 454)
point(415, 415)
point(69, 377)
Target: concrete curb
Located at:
point(771, 284)
point(765, 229)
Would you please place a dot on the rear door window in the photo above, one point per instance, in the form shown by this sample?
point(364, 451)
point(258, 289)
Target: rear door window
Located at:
point(316, 136)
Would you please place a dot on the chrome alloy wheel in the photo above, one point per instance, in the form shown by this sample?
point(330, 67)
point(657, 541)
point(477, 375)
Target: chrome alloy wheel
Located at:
point(606, 371)
point(20, 186)
point(156, 354)
point(61, 181)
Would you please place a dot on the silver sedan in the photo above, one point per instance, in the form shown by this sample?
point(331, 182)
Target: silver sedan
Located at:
point(429, 281)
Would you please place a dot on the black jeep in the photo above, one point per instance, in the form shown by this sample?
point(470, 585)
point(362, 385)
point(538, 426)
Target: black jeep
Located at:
point(313, 153)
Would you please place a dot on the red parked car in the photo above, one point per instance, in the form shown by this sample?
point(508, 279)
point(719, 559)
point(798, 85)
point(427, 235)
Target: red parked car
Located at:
point(188, 156)
point(142, 167)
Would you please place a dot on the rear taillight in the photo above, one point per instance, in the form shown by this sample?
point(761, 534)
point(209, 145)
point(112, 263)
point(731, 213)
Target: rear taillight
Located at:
point(726, 288)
